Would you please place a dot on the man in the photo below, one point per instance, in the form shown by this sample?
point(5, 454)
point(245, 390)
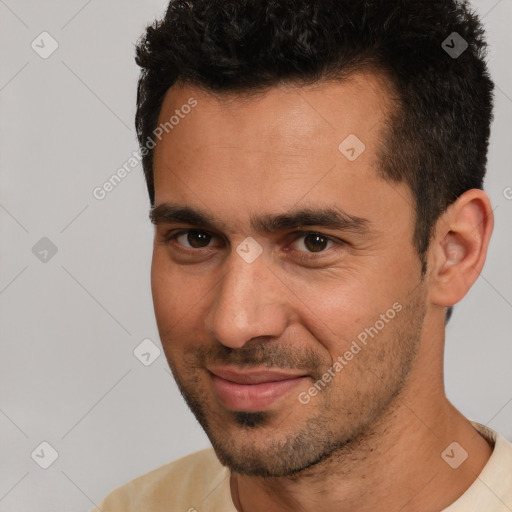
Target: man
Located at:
point(315, 172)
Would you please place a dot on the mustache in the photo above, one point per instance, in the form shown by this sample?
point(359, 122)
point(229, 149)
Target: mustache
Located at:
point(268, 354)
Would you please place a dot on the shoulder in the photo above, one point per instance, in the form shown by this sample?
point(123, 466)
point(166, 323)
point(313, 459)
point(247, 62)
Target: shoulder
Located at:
point(492, 489)
point(179, 485)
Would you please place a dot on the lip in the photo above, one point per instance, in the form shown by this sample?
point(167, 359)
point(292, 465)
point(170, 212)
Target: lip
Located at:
point(253, 389)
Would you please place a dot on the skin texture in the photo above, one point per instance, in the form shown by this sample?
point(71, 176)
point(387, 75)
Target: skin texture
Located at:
point(372, 438)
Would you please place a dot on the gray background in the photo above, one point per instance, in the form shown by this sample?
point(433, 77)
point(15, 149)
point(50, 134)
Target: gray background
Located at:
point(68, 375)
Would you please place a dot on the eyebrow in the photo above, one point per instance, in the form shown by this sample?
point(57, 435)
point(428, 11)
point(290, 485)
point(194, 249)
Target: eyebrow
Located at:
point(333, 218)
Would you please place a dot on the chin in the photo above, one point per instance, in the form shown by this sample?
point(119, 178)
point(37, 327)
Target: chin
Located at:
point(252, 445)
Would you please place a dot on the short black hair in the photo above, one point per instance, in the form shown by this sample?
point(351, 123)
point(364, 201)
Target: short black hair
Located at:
point(437, 136)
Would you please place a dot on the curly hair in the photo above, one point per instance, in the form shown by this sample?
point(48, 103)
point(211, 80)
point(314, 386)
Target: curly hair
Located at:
point(436, 137)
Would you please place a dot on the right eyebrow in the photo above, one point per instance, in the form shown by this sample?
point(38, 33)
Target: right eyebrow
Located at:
point(334, 218)
point(167, 213)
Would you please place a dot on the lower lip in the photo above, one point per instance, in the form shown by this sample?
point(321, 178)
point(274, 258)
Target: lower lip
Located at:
point(252, 397)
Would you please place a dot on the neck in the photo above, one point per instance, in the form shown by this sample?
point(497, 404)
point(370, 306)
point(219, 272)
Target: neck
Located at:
point(399, 465)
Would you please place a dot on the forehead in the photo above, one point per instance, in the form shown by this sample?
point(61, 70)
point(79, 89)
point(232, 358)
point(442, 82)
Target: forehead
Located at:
point(284, 116)
point(315, 144)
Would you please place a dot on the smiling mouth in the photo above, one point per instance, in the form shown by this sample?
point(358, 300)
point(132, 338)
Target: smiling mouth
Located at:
point(252, 390)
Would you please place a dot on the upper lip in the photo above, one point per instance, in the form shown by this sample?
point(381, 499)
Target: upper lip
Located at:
point(252, 375)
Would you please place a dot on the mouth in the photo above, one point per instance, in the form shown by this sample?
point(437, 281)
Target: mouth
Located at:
point(253, 389)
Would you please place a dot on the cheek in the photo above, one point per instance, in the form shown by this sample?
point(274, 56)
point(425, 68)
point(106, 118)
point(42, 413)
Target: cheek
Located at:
point(331, 310)
point(179, 299)
point(336, 311)
point(172, 294)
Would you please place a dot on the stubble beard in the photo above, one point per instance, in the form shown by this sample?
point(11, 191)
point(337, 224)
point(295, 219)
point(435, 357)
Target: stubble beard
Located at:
point(254, 444)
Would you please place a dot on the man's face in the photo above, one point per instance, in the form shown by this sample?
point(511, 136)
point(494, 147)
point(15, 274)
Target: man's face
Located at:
point(249, 325)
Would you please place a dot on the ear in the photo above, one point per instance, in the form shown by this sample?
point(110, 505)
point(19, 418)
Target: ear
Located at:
point(458, 248)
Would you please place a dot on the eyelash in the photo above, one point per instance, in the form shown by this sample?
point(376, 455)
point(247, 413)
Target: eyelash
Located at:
point(170, 237)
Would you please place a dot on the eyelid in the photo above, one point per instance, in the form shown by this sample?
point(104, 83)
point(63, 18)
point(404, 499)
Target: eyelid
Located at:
point(174, 234)
point(305, 232)
point(310, 255)
point(295, 235)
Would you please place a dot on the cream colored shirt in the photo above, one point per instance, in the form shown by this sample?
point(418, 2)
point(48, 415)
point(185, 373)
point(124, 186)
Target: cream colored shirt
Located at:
point(199, 483)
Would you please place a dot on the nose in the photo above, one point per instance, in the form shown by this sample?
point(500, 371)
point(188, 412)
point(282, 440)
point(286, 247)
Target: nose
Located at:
point(249, 302)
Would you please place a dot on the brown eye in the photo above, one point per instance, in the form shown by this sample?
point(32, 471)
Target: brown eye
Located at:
point(312, 242)
point(194, 239)
point(315, 242)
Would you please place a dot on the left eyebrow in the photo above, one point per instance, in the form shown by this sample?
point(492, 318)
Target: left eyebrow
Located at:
point(333, 218)
point(323, 217)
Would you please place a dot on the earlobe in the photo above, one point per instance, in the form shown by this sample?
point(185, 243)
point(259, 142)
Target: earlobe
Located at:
point(459, 247)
